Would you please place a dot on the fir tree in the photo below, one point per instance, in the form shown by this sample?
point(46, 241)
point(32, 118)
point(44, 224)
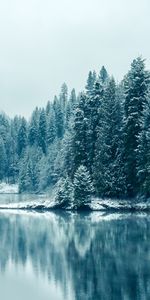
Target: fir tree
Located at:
point(92, 108)
point(90, 83)
point(4, 126)
point(143, 153)
point(42, 131)
point(83, 187)
point(33, 128)
point(2, 159)
point(64, 96)
point(59, 119)
point(65, 193)
point(29, 170)
point(48, 108)
point(51, 128)
point(68, 153)
point(136, 88)
point(11, 171)
point(73, 99)
point(79, 136)
point(68, 114)
point(103, 76)
point(48, 176)
point(22, 137)
point(108, 165)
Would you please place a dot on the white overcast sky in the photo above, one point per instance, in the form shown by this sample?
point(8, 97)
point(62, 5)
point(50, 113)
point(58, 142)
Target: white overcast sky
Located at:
point(46, 42)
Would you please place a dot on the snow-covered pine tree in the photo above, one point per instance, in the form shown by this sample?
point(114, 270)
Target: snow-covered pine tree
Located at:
point(29, 173)
point(143, 153)
point(83, 187)
point(146, 184)
point(4, 126)
point(22, 137)
point(24, 176)
point(93, 103)
point(33, 128)
point(90, 83)
point(48, 176)
point(2, 159)
point(108, 166)
point(68, 153)
point(51, 128)
point(73, 99)
point(79, 134)
point(12, 169)
point(64, 96)
point(15, 125)
point(48, 108)
point(64, 193)
point(103, 76)
point(42, 131)
point(68, 114)
point(59, 118)
point(136, 85)
point(12, 158)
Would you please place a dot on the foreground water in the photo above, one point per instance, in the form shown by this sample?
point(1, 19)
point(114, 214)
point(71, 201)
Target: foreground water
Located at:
point(70, 256)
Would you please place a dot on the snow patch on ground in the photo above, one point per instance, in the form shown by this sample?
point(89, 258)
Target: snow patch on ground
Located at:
point(101, 205)
point(6, 188)
point(119, 205)
point(29, 205)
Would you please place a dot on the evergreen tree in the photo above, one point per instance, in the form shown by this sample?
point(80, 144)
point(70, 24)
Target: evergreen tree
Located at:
point(68, 153)
point(4, 126)
point(108, 165)
point(33, 128)
point(15, 125)
point(136, 88)
point(65, 193)
point(24, 177)
point(48, 176)
point(22, 137)
point(143, 153)
point(92, 108)
point(73, 99)
point(103, 76)
point(68, 114)
point(90, 83)
point(51, 128)
point(11, 171)
point(79, 136)
point(2, 159)
point(64, 96)
point(48, 108)
point(30, 171)
point(59, 119)
point(42, 131)
point(83, 187)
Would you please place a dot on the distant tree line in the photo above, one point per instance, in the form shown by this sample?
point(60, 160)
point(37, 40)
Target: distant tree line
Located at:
point(95, 143)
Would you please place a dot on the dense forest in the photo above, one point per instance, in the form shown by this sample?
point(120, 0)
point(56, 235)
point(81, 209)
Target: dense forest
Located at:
point(95, 143)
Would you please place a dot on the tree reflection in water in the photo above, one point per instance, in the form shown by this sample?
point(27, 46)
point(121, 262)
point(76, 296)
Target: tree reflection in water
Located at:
point(101, 257)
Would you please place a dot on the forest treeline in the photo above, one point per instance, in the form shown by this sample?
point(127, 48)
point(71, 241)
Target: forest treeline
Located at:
point(97, 142)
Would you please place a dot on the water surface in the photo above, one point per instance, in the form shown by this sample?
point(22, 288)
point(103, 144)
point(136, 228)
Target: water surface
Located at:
point(73, 256)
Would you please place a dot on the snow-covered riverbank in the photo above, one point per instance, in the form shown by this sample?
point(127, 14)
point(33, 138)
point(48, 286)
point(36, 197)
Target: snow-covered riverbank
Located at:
point(6, 188)
point(96, 205)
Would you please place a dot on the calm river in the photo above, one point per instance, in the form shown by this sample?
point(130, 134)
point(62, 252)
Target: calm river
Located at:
point(73, 256)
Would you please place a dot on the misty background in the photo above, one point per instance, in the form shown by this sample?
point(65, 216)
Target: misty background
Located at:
point(45, 43)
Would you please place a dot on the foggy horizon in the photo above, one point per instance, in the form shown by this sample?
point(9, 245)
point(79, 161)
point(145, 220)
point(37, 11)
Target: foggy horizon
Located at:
point(46, 44)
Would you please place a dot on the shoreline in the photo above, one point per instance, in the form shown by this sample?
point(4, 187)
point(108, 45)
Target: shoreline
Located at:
point(96, 205)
